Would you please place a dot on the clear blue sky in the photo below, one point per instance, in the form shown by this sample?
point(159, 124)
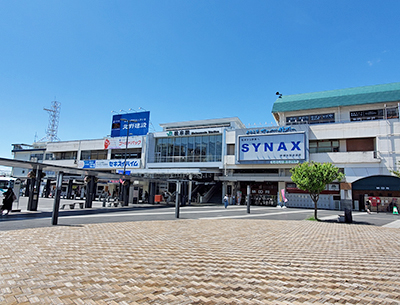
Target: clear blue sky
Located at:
point(182, 60)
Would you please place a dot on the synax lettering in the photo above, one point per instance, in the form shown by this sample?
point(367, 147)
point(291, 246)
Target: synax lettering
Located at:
point(282, 146)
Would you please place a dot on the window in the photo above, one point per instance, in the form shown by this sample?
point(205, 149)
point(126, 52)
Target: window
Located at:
point(190, 149)
point(177, 149)
point(377, 114)
point(324, 146)
point(367, 115)
point(322, 118)
point(184, 148)
point(204, 148)
point(132, 153)
point(93, 154)
point(364, 144)
point(392, 113)
point(36, 157)
point(311, 119)
point(66, 155)
point(207, 148)
point(49, 156)
point(231, 149)
point(269, 171)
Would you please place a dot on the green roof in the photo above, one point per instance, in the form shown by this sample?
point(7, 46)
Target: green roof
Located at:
point(342, 97)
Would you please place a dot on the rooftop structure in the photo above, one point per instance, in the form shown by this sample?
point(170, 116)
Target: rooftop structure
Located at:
point(335, 98)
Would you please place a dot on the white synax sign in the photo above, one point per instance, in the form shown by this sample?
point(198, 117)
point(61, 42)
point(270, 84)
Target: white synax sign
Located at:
point(288, 146)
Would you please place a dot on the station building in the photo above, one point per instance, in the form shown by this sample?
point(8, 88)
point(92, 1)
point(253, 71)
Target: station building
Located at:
point(356, 129)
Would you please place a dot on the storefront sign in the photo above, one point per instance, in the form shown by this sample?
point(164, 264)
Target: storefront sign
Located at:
point(109, 164)
point(188, 132)
point(138, 124)
point(120, 142)
point(275, 148)
point(271, 130)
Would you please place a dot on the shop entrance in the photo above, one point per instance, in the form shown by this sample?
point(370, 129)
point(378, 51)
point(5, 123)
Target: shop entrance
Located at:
point(383, 191)
point(261, 193)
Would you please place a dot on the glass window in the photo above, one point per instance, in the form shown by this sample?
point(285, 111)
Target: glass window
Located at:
point(184, 148)
point(191, 149)
point(85, 155)
point(323, 146)
point(93, 154)
point(164, 150)
point(131, 153)
point(66, 155)
point(170, 149)
point(212, 146)
point(204, 147)
point(207, 148)
point(36, 157)
point(312, 119)
point(197, 149)
point(49, 157)
point(367, 115)
point(392, 113)
point(218, 148)
point(177, 149)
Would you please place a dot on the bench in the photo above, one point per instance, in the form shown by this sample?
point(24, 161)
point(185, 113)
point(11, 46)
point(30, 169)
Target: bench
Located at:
point(72, 205)
point(113, 202)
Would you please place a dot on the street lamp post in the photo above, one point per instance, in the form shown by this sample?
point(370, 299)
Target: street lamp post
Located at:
point(126, 157)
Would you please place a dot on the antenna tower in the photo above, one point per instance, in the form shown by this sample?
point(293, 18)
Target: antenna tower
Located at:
point(54, 116)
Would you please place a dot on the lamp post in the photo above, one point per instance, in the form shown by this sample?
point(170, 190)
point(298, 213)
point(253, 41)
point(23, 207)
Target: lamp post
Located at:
point(126, 156)
point(127, 140)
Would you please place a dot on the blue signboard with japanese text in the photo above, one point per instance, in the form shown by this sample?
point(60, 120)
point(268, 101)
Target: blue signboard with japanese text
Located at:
point(109, 164)
point(138, 124)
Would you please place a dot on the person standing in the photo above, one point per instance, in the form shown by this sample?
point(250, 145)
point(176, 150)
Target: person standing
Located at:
point(368, 206)
point(226, 201)
point(8, 200)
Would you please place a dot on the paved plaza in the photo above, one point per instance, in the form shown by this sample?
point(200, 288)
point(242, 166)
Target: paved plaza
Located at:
point(216, 261)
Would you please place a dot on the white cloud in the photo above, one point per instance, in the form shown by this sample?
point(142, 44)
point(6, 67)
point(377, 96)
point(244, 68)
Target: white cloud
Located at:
point(373, 62)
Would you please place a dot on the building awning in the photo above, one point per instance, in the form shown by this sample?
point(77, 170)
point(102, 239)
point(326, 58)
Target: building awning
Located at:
point(253, 178)
point(56, 168)
point(378, 183)
point(166, 171)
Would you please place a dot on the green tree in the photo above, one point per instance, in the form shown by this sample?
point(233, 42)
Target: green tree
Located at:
point(313, 178)
point(396, 173)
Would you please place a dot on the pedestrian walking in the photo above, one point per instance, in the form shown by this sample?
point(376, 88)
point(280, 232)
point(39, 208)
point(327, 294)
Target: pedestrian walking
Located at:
point(226, 201)
point(368, 206)
point(8, 200)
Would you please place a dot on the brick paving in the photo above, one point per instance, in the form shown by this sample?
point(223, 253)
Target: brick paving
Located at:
point(201, 262)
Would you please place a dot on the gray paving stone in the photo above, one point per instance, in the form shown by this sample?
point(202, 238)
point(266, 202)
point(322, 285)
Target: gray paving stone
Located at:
point(201, 262)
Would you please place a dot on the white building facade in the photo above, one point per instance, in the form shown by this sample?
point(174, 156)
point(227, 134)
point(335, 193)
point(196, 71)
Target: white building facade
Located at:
point(356, 129)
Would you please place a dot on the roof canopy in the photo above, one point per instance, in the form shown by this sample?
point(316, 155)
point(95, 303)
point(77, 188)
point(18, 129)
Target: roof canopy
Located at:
point(342, 97)
point(57, 168)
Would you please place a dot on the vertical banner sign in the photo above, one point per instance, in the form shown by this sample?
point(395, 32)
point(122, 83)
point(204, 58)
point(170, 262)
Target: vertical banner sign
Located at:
point(138, 124)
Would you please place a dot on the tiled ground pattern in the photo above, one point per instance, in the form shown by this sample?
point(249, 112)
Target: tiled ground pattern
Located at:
point(201, 262)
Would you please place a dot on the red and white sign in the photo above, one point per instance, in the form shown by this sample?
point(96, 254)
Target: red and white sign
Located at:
point(120, 142)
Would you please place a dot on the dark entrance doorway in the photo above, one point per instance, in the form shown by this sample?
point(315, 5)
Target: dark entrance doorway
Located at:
point(385, 191)
point(261, 193)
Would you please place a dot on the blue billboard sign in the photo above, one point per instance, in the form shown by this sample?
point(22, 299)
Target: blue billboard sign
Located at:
point(138, 124)
point(273, 148)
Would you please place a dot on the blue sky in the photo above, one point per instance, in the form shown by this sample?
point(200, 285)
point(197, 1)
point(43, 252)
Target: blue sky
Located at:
point(182, 60)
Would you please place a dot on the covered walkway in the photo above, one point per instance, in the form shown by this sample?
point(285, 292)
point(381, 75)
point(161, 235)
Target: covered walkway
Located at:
point(36, 170)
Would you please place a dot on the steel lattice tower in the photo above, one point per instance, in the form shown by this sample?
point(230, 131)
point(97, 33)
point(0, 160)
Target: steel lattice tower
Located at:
point(52, 128)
